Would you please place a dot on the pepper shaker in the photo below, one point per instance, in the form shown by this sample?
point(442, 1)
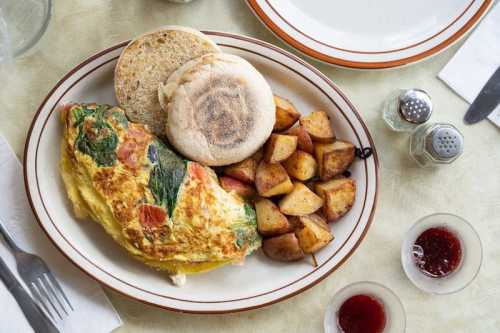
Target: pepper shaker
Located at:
point(436, 143)
point(404, 110)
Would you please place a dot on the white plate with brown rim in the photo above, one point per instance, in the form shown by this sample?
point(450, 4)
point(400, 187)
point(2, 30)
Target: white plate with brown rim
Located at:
point(370, 34)
point(228, 289)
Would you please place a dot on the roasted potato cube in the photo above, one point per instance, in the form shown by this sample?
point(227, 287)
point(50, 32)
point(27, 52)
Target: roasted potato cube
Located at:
point(283, 248)
point(301, 165)
point(244, 170)
point(244, 190)
point(319, 152)
point(313, 234)
point(304, 141)
point(321, 187)
point(339, 159)
point(286, 114)
point(296, 221)
point(272, 179)
point(270, 221)
point(334, 158)
point(317, 124)
point(279, 147)
point(339, 195)
point(339, 202)
point(301, 201)
point(319, 220)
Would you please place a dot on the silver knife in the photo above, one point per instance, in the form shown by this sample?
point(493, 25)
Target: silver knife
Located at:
point(486, 101)
point(37, 319)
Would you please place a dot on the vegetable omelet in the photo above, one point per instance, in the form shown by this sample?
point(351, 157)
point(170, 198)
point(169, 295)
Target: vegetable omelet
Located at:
point(167, 212)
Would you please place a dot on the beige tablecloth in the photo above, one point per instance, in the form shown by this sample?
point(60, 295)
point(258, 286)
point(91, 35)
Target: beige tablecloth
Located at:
point(470, 187)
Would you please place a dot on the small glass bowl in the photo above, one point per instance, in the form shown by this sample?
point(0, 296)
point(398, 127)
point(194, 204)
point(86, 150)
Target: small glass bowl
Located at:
point(472, 255)
point(394, 310)
point(22, 24)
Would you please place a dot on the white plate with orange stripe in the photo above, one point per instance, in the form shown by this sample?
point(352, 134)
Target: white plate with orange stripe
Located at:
point(370, 34)
point(261, 281)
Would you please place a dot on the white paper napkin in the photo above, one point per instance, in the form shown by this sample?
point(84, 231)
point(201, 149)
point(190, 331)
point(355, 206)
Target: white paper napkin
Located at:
point(475, 62)
point(93, 311)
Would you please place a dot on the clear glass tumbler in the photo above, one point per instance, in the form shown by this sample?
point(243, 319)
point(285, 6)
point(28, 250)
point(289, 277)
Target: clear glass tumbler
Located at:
point(22, 24)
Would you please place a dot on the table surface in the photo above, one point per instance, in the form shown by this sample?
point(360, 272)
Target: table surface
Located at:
point(470, 187)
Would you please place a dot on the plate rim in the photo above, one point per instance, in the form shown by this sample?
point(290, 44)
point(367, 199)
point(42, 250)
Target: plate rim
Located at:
point(264, 44)
point(279, 32)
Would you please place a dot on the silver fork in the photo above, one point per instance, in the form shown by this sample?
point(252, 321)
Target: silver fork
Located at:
point(39, 279)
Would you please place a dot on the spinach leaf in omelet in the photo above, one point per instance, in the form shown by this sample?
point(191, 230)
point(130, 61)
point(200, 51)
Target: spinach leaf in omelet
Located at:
point(81, 112)
point(120, 118)
point(97, 139)
point(166, 176)
point(250, 215)
point(246, 233)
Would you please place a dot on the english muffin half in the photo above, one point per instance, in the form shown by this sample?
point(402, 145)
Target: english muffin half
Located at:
point(148, 61)
point(220, 109)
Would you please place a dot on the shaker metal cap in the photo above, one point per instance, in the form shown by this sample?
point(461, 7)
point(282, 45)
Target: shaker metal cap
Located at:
point(446, 142)
point(415, 106)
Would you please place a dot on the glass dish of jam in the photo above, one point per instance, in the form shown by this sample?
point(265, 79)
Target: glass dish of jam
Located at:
point(365, 307)
point(441, 254)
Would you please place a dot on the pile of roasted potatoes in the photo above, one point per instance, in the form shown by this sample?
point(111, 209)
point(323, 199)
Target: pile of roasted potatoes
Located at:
point(297, 183)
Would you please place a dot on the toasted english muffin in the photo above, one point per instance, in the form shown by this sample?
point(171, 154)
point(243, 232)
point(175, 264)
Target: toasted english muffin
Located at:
point(149, 60)
point(220, 109)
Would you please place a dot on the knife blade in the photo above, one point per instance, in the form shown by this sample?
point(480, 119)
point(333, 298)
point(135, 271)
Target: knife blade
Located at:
point(486, 101)
point(37, 319)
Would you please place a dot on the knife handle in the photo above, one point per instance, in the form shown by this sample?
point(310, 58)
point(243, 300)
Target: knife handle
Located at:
point(37, 319)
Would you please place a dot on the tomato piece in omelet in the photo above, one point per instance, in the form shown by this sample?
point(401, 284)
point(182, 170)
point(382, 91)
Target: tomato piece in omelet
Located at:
point(168, 212)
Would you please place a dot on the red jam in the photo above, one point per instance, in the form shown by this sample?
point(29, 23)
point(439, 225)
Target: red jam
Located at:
point(437, 252)
point(361, 314)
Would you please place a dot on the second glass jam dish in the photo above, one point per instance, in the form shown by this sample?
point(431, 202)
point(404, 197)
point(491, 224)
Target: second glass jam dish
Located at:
point(441, 253)
point(364, 307)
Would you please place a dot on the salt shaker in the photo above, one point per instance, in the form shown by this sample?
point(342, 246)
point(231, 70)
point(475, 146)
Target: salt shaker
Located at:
point(404, 110)
point(436, 143)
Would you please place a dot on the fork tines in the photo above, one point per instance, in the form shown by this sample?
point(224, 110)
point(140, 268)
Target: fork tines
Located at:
point(47, 291)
